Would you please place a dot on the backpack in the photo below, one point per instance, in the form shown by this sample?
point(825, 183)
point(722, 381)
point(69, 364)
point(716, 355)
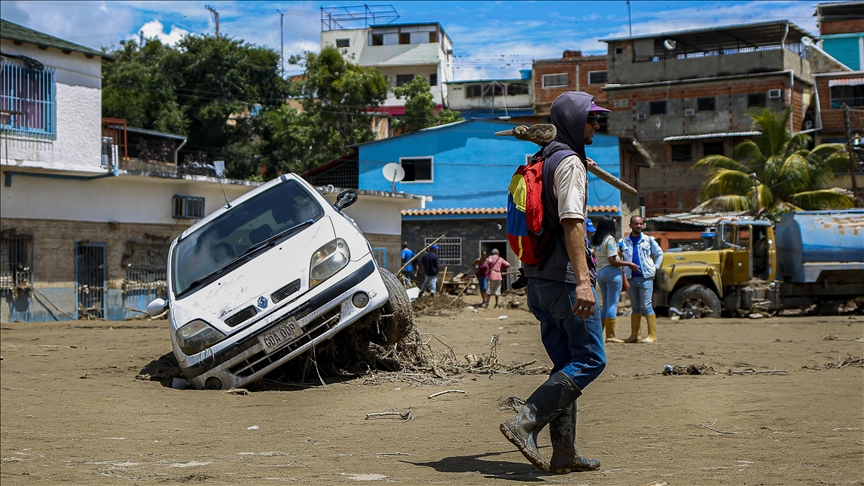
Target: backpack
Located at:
point(525, 214)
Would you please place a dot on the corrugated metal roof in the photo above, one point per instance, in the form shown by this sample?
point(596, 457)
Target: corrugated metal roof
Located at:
point(470, 211)
point(19, 33)
point(711, 135)
point(699, 219)
point(750, 33)
point(846, 82)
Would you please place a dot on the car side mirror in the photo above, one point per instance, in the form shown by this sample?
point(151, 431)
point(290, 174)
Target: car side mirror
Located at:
point(157, 307)
point(345, 199)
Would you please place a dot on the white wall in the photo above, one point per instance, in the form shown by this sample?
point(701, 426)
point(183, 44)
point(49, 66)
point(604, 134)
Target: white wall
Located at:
point(79, 115)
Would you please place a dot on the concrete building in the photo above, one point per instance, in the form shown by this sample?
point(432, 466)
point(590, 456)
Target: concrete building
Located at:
point(679, 96)
point(572, 72)
point(89, 206)
point(841, 28)
point(400, 52)
point(492, 98)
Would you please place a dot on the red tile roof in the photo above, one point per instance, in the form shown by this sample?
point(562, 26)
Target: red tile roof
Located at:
point(502, 211)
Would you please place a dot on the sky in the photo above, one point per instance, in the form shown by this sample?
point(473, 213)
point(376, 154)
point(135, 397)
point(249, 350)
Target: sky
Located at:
point(490, 39)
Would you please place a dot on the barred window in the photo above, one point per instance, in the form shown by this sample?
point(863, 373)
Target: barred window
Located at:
point(553, 80)
point(403, 79)
point(597, 77)
point(706, 104)
point(449, 250)
point(16, 261)
point(28, 99)
point(145, 265)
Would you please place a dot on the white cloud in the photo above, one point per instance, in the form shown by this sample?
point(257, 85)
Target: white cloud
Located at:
point(154, 28)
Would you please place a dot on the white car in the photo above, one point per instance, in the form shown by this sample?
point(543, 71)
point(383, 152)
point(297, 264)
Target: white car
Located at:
point(266, 277)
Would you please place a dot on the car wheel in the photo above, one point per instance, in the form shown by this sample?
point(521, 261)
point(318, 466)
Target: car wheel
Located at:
point(396, 316)
point(697, 300)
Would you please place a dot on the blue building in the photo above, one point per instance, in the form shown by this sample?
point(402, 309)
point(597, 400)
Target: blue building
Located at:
point(465, 169)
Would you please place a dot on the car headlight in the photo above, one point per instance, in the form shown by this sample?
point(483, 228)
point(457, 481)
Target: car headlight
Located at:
point(197, 336)
point(328, 260)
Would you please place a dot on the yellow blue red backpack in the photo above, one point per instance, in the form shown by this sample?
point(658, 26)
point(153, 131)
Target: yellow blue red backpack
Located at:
point(525, 213)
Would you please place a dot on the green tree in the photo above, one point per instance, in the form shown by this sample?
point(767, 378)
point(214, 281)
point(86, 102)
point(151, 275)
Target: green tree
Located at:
point(420, 107)
point(137, 88)
point(337, 97)
point(788, 175)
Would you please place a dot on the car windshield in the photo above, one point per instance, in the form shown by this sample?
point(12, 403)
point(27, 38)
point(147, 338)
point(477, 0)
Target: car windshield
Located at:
point(207, 251)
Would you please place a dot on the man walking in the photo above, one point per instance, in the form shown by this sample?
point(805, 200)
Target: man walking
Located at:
point(571, 333)
point(430, 263)
point(644, 251)
point(408, 271)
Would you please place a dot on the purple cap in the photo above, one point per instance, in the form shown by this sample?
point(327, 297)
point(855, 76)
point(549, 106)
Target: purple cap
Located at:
point(597, 109)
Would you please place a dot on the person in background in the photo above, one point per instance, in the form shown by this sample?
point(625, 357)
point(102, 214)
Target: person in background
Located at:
point(496, 266)
point(430, 263)
point(410, 271)
point(644, 252)
point(481, 269)
point(590, 230)
point(609, 275)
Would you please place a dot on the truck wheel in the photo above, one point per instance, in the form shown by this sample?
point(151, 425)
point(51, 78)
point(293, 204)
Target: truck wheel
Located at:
point(396, 315)
point(696, 299)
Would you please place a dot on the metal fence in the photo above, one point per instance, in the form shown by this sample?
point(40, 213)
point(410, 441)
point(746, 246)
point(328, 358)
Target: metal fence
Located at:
point(28, 100)
point(16, 261)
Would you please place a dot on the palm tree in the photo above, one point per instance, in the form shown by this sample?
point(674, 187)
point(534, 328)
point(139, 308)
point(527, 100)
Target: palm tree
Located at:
point(785, 174)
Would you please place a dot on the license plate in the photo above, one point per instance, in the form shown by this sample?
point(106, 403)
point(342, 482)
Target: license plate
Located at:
point(280, 335)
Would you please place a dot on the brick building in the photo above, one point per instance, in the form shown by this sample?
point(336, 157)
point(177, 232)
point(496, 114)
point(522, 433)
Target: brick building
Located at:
point(572, 72)
point(841, 27)
point(679, 96)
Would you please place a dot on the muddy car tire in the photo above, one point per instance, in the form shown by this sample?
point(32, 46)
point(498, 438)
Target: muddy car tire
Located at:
point(397, 315)
point(696, 298)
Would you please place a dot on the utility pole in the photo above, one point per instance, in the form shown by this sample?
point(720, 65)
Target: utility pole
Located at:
point(852, 156)
point(629, 18)
point(215, 14)
point(141, 39)
point(281, 42)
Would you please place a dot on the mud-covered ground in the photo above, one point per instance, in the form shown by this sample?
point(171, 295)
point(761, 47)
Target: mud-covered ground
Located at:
point(72, 412)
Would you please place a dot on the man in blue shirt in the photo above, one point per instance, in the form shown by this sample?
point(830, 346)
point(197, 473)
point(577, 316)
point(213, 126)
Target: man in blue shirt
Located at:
point(409, 271)
point(644, 251)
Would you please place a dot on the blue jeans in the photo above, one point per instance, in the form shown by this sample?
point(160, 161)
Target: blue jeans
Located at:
point(610, 280)
point(640, 292)
point(432, 282)
point(408, 274)
point(574, 344)
point(484, 283)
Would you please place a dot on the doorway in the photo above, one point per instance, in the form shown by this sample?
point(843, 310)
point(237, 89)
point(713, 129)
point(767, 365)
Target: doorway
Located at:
point(90, 279)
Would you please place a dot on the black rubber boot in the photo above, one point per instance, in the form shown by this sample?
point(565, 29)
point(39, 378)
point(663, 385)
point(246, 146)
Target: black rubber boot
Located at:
point(565, 455)
point(546, 403)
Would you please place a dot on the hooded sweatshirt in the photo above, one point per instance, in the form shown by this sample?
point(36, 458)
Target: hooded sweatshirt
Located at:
point(569, 114)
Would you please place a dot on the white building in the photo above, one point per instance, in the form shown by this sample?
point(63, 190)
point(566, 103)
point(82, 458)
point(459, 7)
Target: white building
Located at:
point(85, 229)
point(400, 52)
point(492, 98)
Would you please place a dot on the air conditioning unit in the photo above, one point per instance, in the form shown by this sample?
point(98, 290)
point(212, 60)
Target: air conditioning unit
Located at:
point(689, 112)
point(641, 116)
point(774, 94)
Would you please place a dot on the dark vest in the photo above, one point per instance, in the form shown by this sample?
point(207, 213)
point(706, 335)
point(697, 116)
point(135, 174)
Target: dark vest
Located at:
point(557, 266)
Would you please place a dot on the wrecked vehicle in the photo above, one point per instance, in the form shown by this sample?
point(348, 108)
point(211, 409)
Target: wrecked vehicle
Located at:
point(268, 276)
point(810, 258)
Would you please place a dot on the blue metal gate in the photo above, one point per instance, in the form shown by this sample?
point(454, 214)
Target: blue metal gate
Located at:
point(90, 279)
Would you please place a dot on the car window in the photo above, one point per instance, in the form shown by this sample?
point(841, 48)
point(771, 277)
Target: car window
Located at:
point(244, 225)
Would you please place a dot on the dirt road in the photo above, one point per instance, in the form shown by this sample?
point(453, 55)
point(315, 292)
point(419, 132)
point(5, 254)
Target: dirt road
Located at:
point(73, 412)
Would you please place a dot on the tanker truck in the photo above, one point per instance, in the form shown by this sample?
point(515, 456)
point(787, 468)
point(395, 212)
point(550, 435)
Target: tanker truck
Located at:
point(809, 258)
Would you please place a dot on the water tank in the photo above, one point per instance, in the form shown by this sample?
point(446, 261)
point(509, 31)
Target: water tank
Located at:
point(808, 237)
point(526, 73)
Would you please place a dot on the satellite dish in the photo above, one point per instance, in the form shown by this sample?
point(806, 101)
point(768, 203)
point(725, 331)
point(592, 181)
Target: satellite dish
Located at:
point(669, 44)
point(394, 173)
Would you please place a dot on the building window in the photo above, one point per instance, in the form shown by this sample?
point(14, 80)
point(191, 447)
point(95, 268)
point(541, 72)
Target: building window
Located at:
point(187, 207)
point(517, 89)
point(554, 80)
point(403, 79)
point(755, 99)
point(597, 77)
point(433, 79)
point(474, 91)
point(343, 42)
point(682, 153)
point(657, 107)
point(377, 39)
point(851, 95)
point(449, 250)
point(28, 100)
point(619, 50)
point(713, 148)
point(405, 38)
point(417, 169)
point(706, 104)
point(433, 37)
point(16, 261)
point(494, 89)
